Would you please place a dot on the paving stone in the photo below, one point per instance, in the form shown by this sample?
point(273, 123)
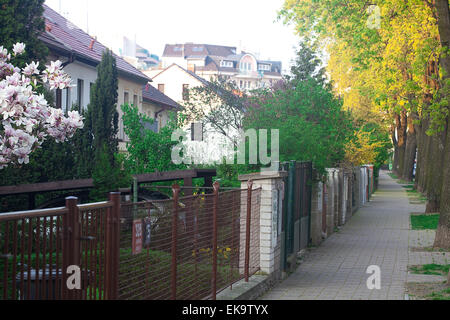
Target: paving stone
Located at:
point(378, 234)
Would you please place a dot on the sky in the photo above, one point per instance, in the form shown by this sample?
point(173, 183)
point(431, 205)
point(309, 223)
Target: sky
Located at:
point(250, 24)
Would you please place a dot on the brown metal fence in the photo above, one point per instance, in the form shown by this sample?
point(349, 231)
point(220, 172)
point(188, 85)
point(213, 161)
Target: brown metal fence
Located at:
point(37, 247)
point(188, 248)
point(182, 248)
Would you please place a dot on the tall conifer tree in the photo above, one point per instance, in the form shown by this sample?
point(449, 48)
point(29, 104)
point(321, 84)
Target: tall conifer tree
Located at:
point(102, 117)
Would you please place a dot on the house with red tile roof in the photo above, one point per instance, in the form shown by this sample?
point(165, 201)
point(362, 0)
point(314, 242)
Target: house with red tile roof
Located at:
point(210, 61)
point(80, 54)
point(175, 81)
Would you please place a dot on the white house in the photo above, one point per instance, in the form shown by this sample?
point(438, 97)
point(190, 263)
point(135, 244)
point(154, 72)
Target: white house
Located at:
point(80, 54)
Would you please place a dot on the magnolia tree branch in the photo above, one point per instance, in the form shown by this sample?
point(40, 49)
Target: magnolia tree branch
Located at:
point(26, 118)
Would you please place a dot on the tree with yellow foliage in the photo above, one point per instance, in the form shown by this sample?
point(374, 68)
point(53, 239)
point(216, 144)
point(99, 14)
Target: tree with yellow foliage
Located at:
point(392, 57)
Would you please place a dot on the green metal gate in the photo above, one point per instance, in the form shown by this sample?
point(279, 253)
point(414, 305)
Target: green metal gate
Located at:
point(296, 225)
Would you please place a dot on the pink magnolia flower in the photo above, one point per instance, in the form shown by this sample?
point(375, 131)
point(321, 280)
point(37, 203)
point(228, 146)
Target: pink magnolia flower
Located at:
point(18, 48)
point(31, 69)
point(26, 118)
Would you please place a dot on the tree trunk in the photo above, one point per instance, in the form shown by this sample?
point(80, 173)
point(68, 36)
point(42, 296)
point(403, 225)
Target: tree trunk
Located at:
point(443, 232)
point(394, 143)
point(395, 162)
point(426, 156)
point(410, 152)
point(442, 239)
point(434, 173)
point(448, 279)
point(402, 124)
point(420, 153)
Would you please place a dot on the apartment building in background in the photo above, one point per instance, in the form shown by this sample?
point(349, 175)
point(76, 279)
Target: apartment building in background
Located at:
point(208, 61)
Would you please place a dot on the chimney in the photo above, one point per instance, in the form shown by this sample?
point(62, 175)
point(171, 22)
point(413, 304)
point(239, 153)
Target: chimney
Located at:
point(191, 67)
point(91, 46)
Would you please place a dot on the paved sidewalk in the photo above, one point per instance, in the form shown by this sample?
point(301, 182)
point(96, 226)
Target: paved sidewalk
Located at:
point(376, 235)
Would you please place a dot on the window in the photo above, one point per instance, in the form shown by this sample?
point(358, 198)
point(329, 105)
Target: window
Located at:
point(80, 89)
point(197, 131)
point(185, 92)
point(161, 87)
point(240, 84)
point(265, 67)
point(135, 100)
point(126, 98)
point(58, 99)
point(246, 66)
point(197, 49)
point(68, 100)
point(226, 64)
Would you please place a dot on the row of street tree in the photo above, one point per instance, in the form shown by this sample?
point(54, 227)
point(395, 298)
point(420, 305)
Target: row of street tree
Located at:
point(390, 62)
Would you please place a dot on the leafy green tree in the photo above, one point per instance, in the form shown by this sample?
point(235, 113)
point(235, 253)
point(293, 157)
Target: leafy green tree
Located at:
point(313, 126)
point(22, 21)
point(148, 151)
point(218, 104)
point(307, 64)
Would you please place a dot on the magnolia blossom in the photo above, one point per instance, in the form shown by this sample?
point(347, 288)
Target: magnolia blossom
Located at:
point(31, 69)
point(26, 120)
point(18, 48)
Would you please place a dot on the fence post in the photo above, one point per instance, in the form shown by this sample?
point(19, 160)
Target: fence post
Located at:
point(214, 250)
point(247, 229)
point(112, 247)
point(290, 209)
point(176, 193)
point(71, 245)
point(114, 197)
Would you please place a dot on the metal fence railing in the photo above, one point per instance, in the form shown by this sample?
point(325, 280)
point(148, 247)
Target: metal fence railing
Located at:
point(40, 248)
point(188, 247)
point(181, 248)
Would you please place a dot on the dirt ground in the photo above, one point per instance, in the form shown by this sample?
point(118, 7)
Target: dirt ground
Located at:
point(428, 291)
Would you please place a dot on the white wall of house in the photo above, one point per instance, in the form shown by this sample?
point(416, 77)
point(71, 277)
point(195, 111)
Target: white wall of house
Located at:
point(132, 92)
point(88, 75)
point(78, 71)
point(173, 80)
point(150, 109)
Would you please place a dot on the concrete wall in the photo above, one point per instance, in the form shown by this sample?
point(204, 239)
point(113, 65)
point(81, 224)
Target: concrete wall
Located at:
point(343, 187)
point(331, 201)
point(331, 190)
point(317, 214)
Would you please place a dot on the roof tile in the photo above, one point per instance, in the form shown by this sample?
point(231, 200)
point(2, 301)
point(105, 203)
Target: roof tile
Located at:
point(75, 39)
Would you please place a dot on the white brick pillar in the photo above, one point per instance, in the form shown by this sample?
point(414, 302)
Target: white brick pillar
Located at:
point(272, 195)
